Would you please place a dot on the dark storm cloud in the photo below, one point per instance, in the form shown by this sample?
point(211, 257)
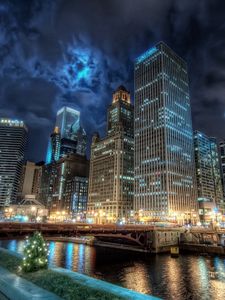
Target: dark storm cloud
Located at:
point(76, 52)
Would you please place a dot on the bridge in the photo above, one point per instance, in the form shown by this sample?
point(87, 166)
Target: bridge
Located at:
point(140, 237)
point(136, 236)
point(201, 235)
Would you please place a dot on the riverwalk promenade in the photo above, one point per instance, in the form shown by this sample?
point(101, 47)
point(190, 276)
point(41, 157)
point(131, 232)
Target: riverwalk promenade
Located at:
point(15, 287)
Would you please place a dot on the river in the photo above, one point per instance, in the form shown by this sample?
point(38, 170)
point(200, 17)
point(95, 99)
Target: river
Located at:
point(186, 277)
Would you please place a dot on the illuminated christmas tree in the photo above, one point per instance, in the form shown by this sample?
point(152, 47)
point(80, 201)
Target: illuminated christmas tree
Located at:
point(35, 253)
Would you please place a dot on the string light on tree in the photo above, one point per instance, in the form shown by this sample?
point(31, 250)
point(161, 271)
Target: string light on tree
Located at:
point(35, 253)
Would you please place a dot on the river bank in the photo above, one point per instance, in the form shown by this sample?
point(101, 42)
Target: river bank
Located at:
point(63, 283)
point(200, 276)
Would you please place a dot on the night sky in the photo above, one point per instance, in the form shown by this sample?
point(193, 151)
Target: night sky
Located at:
point(76, 52)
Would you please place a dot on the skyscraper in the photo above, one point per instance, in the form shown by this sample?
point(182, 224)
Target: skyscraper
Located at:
point(73, 136)
point(164, 153)
point(209, 184)
point(68, 137)
point(64, 185)
point(222, 161)
point(53, 152)
point(68, 122)
point(110, 195)
point(13, 138)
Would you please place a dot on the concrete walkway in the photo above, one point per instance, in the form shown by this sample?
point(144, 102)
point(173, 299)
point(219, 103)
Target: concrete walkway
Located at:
point(17, 288)
point(104, 286)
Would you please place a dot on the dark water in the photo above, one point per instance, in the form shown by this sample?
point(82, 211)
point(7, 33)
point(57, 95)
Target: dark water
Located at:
point(186, 277)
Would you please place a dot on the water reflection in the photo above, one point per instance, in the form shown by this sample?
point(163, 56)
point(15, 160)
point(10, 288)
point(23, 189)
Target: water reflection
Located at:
point(186, 277)
point(136, 277)
point(69, 256)
point(51, 249)
point(174, 274)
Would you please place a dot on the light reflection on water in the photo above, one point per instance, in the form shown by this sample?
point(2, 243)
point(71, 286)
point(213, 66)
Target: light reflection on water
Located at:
point(186, 277)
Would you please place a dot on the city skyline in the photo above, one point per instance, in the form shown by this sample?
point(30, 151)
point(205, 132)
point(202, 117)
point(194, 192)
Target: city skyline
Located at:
point(78, 68)
point(112, 149)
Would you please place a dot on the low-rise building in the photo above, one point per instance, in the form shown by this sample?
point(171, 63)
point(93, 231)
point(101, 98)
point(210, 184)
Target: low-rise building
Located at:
point(29, 209)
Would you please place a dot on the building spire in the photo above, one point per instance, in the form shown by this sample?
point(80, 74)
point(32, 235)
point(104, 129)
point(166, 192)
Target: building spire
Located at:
point(121, 93)
point(56, 129)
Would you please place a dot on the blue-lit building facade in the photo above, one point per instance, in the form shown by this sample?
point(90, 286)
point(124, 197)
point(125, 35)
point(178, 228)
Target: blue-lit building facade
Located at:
point(165, 182)
point(73, 136)
point(54, 146)
point(64, 185)
point(13, 140)
point(68, 137)
point(209, 181)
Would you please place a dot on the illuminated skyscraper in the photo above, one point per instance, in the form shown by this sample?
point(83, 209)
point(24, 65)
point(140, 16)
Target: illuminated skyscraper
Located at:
point(73, 136)
point(68, 122)
point(222, 161)
point(164, 155)
point(120, 113)
point(68, 137)
point(110, 195)
point(53, 152)
point(209, 183)
point(13, 139)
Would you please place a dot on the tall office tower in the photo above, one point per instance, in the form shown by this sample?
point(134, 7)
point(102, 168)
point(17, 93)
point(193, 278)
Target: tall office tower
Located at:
point(64, 185)
point(222, 162)
point(53, 152)
point(68, 137)
point(73, 136)
point(13, 138)
point(110, 195)
point(209, 183)
point(30, 182)
point(120, 113)
point(164, 168)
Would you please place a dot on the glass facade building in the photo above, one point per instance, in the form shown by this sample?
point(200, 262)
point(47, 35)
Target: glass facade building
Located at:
point(165, 183)
point(110, 196)
point(54, 146)
point(68, 122)
point(13, 139)
point(73, 136)
point(79, 185)
point(222, 163)
point(209, 182)
point(68, 137)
